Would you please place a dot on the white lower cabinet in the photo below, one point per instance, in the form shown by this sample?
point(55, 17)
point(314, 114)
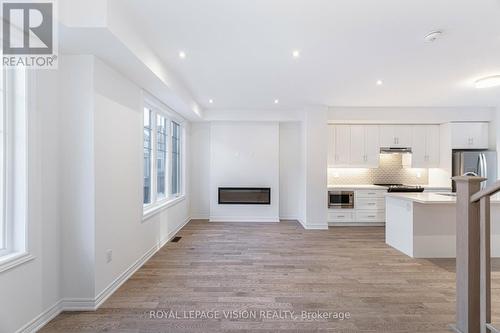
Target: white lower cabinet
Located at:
point(341, 216)
point(367, 216)
point(369, 207)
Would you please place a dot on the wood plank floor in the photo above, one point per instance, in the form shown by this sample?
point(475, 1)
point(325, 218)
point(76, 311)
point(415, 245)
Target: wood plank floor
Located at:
point(219, 267)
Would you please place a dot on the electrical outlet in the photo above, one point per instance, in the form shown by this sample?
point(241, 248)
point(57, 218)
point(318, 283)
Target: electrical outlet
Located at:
point(109, 256)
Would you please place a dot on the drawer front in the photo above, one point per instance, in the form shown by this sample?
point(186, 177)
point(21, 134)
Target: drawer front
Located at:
point(370, 193)
point(339, 216)
point(370, 216)
point(370, 203)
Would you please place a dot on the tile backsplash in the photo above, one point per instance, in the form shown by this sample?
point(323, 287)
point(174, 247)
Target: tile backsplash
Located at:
point(390, 171)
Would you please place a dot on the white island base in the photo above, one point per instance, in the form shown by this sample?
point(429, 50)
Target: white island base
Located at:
point(423, 225)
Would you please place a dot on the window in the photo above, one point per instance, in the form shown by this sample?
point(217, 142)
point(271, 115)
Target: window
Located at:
point(147, 155)
point(3, 226)
point(13, 141)
point(176, 158)
point(162, 157)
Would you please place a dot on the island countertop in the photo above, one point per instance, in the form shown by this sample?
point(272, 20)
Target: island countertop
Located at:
point(432, 198)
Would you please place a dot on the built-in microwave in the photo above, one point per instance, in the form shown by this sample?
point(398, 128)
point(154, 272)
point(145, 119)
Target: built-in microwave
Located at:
point(341, 199)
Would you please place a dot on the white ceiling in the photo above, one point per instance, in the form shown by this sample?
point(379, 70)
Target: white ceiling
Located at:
point(239, 52)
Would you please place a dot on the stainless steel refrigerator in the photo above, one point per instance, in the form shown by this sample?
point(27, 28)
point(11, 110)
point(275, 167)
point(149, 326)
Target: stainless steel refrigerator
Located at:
point(481, 163)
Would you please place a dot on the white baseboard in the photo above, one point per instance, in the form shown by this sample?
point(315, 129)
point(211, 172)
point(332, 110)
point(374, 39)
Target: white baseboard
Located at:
point(312, 226)
point(357, 224)
point(316, 226)
point(172, 234)
point(89, 304)
point(200, 216)
point(289, 218)
point(42, 319)
point(243, 219)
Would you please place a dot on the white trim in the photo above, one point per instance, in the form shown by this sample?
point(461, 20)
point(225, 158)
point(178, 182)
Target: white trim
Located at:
point(78, 304)
point(313, 226)
point(243, 219)
point(89, 304)
point(13, 260)
point(289, 218)
point(123, 277)
point(111, 288)
point(155, 209)
point(357, 224)
point(316, 227)
point(172, 234)
point(200, 217)
point(42, 319)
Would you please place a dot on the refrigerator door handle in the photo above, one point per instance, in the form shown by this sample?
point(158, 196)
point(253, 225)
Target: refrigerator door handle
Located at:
point(484, 170)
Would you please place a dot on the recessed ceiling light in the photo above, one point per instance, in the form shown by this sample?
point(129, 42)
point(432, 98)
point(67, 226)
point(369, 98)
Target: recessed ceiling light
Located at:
point(276, 101)
point(211, 101)
point(433, 36)
point(296, 53)
point(488, 82)
point(380, 82)
point(182, 55)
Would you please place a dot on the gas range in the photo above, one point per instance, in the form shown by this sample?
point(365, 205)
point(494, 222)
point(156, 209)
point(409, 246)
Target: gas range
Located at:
point(402, 188)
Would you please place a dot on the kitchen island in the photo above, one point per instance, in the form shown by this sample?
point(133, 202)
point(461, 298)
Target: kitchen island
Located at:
point(423, 225)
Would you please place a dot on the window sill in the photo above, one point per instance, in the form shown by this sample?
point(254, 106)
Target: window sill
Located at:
point(15, 259)
point(155, 209)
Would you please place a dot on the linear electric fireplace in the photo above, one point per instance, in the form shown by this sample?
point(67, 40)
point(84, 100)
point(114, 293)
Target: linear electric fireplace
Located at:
point(244, 196)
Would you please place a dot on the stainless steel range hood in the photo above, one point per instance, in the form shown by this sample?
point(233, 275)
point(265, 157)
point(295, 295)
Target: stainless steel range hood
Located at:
point(395, 150)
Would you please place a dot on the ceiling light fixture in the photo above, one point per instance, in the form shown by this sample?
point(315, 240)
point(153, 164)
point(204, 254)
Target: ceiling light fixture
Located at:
point(276, 101)
point(380, 82)
point(296, 53)
point(211, 101)
point(488, 82)
point(182, 55)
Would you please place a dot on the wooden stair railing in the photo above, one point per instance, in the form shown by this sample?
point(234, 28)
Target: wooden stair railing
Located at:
point(473, 263)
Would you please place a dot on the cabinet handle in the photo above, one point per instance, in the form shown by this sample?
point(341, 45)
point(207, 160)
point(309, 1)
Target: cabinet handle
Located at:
point(372, 216)
point(371, 193)
point(371, 204)
point(341, 216)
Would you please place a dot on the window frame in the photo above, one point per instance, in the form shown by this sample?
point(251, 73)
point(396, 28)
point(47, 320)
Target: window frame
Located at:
point(180, 157)
point(15, 163)
point(159, 203)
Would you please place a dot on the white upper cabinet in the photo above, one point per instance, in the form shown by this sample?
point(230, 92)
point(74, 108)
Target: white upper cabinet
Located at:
point(395, 136)
point(342, 144)
point(372, 145)
point(353, 146)
point(358, 156)
point(331, 146)
point(365, 148)
point(469, 135)
point(425, 146)
point(339, 145)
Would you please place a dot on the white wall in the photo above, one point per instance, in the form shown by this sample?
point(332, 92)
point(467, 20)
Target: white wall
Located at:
point(77, 176)
point(85, 187)
point(291, 171)
point(118, 180)
point(410, 115)
point(244, 154)
point(29, 289)
point(200, 170)
point(315, 152)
